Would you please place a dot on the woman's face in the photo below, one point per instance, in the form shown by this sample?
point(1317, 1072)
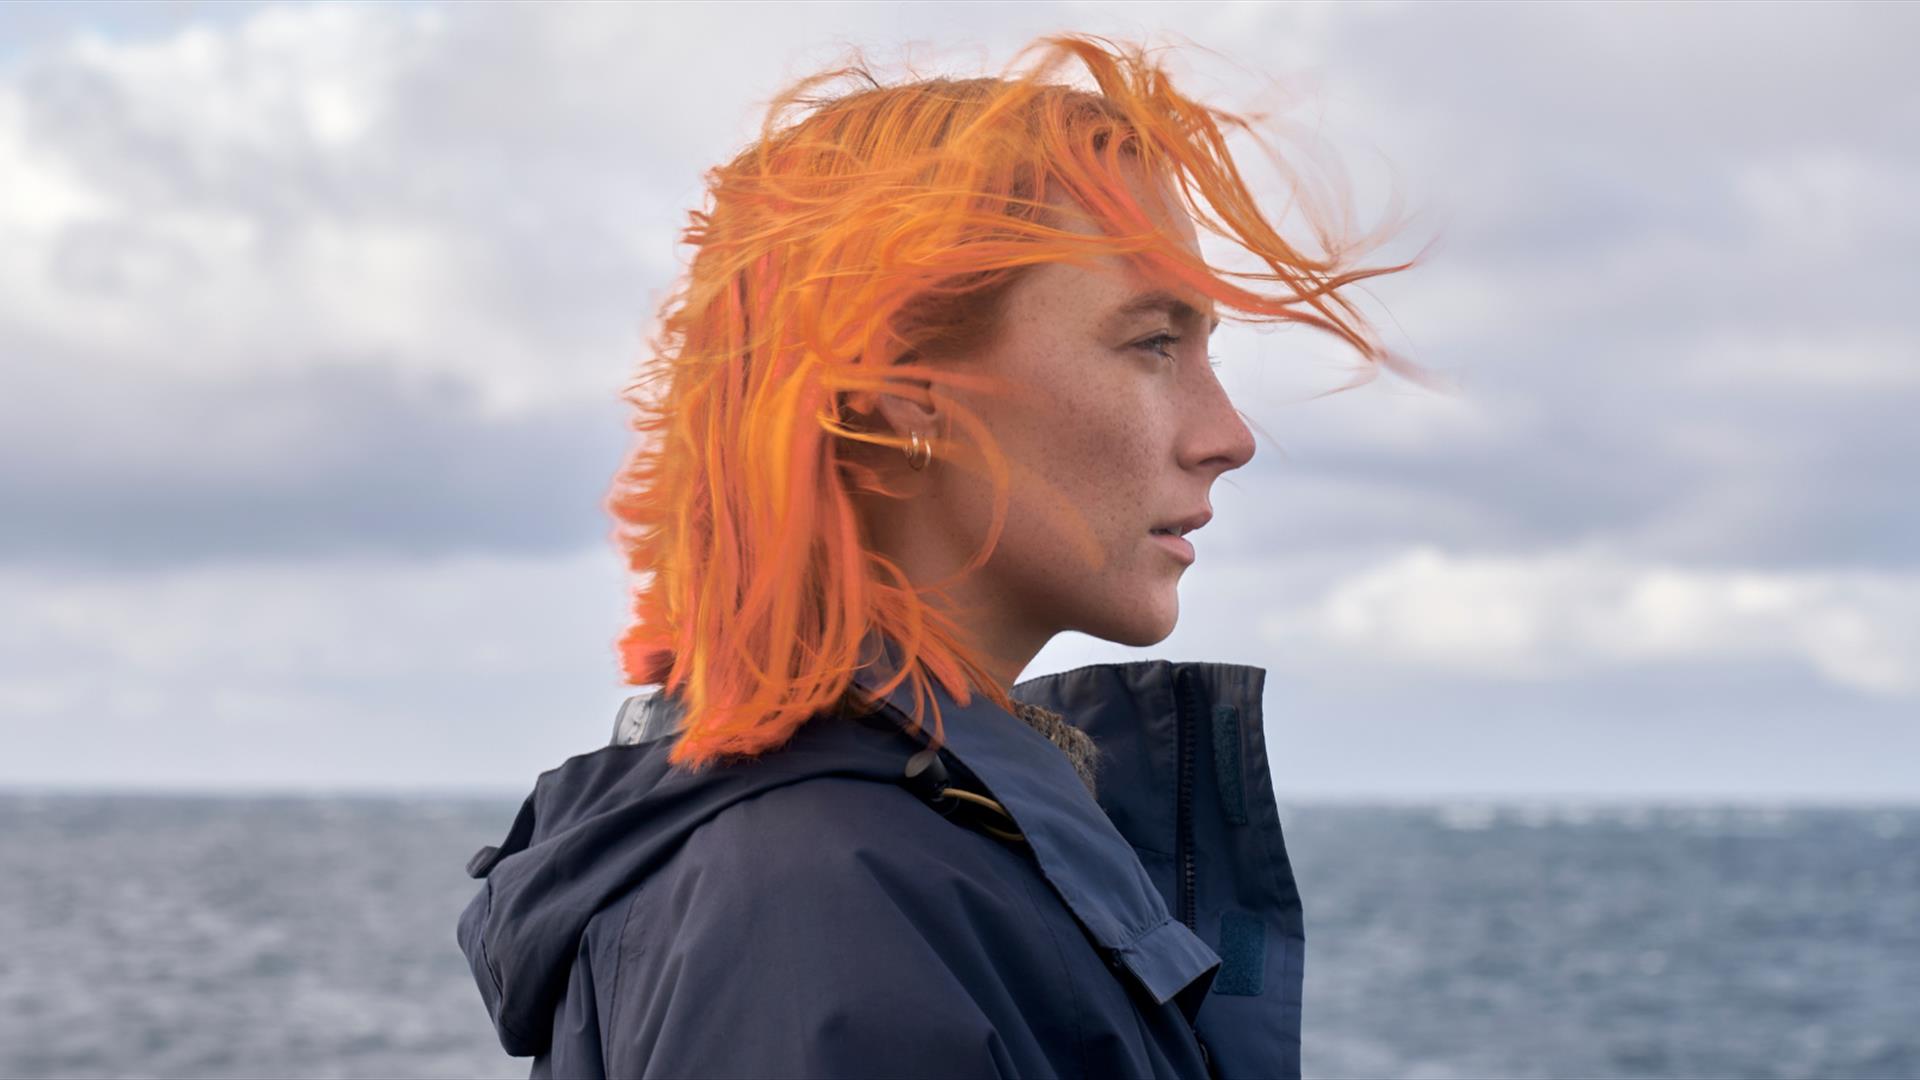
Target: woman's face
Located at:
point(1117, 412)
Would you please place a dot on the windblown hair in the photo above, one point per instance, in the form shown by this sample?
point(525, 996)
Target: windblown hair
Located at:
point(880, 228)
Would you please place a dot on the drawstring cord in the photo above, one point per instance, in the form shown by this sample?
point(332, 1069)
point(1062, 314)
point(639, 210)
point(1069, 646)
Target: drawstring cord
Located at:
point(927, 775)
point(1013, 836)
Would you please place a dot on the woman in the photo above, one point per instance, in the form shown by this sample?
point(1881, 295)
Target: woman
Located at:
point(934, 390)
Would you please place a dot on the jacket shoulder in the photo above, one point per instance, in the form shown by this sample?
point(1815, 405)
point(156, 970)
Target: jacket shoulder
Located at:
point(832, 926)
point(829, 833)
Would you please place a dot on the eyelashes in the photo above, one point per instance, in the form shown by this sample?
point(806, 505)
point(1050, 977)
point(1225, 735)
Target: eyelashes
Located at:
point(1154, 346)
point(1161, 345)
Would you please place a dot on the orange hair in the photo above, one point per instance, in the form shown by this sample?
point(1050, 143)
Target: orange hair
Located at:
point(882, 226)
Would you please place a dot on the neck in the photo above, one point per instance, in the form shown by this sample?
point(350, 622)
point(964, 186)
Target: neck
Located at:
point(997, 626)
point(1004, 650)
point(1005, 642)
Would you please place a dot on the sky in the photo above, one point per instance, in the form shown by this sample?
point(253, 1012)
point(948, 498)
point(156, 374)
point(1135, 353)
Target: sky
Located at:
point(313, 320)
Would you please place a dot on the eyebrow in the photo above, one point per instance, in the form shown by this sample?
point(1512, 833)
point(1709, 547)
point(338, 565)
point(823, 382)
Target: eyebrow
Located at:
point(1164, 301)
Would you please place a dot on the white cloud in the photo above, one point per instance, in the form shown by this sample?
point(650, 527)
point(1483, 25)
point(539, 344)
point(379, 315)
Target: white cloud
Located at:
point(224, 201)
point(431, 673)
point(1823, 201)
point(1851, 358)
point(338, 618)
point(1578, 612)
point(309, 77)
point(40, 192)
point(268, 271)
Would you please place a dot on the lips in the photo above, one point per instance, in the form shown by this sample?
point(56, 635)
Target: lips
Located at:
point(1183, 526)
point(1175, 546)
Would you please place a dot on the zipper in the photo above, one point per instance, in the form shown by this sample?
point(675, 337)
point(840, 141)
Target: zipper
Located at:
point(1186, 713)
point(1187, 707)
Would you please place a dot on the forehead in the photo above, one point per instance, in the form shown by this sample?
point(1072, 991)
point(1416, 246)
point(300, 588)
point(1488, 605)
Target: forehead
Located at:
point(1110, 294)
point(1162, 301)
point(1117, 285)
point(1156, 197)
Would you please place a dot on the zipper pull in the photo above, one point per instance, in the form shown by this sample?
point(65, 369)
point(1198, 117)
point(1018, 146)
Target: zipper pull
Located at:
point(1205, 1054)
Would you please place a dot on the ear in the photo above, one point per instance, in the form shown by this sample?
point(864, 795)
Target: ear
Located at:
point(908, 407)
point(907, 414)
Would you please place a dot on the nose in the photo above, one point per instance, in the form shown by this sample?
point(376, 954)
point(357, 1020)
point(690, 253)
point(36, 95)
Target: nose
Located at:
point(1218, 439)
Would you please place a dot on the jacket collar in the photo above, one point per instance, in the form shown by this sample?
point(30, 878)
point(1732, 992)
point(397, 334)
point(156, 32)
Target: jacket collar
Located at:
point(1082, 855)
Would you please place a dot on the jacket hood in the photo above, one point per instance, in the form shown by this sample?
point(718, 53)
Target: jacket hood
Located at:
point(600, 823)
point(597, 825)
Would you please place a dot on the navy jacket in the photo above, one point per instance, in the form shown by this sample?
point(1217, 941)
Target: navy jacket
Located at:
point(817, 913)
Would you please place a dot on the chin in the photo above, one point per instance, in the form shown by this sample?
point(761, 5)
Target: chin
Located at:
point(1138, 628)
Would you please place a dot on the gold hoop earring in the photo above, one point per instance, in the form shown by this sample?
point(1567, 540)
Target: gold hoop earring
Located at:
point(921, 452)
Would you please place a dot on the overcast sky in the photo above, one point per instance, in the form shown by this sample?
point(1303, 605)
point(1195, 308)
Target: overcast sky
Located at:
point(312, 321)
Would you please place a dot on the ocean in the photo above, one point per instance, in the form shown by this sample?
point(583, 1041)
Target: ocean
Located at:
point(225, 936)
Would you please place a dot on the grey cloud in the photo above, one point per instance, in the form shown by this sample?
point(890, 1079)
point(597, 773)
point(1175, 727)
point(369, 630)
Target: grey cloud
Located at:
point(1593, 155)
point(323, 460)
point(1592, 164)
point(1595, 168)
point(1762, 476)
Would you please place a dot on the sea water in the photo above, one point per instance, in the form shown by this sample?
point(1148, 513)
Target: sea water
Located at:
point(146, 935)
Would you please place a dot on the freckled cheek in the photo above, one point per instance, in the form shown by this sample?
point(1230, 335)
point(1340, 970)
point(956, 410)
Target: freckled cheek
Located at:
point(1115, 475)
point(1086, 438)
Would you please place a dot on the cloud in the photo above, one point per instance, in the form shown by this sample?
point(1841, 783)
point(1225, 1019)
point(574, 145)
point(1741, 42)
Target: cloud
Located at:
point(312, 320)
point(347, 618)
point(1574, 613)
point(241, 316)
point(144, 471)
point(476, 669)
point(336, 279)
point(386, 198)
point(226, 202)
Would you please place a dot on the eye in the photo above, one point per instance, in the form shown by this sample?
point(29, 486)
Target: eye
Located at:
point(1160, 345)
